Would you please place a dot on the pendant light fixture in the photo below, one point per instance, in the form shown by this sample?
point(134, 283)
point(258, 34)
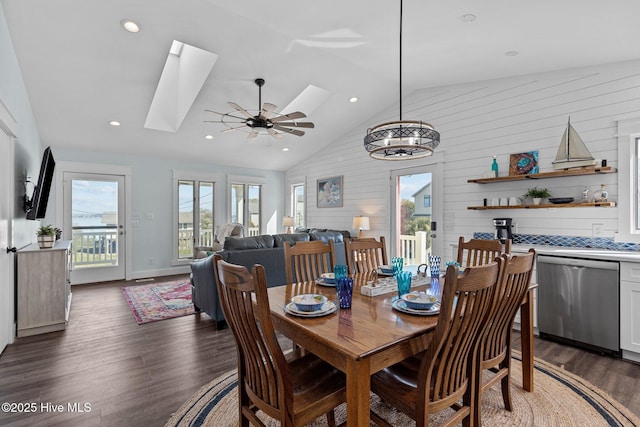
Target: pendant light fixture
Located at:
point(402, 139)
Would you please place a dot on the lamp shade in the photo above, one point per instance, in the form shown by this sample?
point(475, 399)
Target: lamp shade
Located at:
point(287, 221)
point(361, 222)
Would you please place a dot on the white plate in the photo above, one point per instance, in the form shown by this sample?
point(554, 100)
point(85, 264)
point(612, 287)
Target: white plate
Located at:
point(401, 306)
point(327, 308)
point(320, 282)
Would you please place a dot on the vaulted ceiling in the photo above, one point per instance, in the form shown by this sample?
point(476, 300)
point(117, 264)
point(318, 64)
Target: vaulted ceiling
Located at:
point(83, 70)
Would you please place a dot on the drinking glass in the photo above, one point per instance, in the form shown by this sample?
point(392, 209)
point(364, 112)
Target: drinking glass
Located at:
point(345, 291)
point(339, 272)
point(396, 263)
point(404, 282)
point(434, 265)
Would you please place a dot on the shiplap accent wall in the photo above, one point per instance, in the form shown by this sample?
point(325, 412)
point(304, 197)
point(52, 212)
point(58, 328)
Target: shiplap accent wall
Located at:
point(477, 121)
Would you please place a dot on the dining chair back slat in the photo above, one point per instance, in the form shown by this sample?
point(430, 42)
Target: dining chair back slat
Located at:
point(495, 345)
point(365, 255)
point(267, 380)
point(479, 251)
point(442, 376)
point(306, 261)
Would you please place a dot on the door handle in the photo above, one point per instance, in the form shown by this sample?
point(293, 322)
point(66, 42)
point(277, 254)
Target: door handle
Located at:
point(13, 249)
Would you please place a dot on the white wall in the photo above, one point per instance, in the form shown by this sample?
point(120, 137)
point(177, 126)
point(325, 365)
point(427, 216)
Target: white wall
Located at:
point(479, 120)
point(28, 149)
point(152, 184)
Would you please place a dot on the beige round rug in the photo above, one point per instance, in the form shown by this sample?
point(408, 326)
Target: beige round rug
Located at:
point(560, 399)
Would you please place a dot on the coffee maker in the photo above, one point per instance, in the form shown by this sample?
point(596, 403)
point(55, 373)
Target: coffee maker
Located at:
point(503, 228)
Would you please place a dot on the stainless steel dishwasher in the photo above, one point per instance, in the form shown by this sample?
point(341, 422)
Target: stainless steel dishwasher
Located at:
point(579, 301)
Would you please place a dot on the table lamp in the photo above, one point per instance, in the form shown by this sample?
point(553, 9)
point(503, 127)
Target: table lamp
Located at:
point(361, 223)
point(287, 221)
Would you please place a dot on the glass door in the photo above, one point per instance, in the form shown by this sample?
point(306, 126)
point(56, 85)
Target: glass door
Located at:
point(94, 222)
point(415, 215)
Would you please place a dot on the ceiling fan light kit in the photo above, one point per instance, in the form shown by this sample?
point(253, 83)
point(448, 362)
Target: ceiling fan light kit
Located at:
point(401, 139)
point(266, 120)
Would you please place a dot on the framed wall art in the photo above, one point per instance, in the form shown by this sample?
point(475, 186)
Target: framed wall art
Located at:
point(523, 163)
point(330, 192)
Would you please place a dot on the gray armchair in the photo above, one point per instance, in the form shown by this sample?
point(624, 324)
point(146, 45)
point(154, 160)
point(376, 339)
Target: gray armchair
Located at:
point(221, 233)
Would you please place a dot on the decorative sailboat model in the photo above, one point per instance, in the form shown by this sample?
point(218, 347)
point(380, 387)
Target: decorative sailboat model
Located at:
point(572, 153)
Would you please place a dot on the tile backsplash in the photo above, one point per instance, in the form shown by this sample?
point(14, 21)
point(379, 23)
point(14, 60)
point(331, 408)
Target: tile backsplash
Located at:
point(607, 243)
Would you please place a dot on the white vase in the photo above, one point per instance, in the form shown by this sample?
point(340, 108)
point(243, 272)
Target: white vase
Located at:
point(537, 200)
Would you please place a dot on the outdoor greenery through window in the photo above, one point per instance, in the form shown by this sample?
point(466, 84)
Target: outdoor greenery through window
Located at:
point(245, 207)
point(195, 216)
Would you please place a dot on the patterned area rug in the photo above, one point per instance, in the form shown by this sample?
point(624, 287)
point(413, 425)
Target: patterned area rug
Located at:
point(559, 399)
point(159, 301)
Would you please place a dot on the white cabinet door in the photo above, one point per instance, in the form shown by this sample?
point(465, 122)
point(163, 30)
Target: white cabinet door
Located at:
point(630, 306)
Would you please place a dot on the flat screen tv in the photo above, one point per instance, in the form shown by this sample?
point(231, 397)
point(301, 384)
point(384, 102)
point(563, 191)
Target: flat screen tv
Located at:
point(37, 206)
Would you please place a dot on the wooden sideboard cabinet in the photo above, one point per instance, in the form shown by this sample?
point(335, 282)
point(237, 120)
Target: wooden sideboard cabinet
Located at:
point(43, 288)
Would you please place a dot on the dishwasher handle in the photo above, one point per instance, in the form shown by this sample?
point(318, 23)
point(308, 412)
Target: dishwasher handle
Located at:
point(578, 262)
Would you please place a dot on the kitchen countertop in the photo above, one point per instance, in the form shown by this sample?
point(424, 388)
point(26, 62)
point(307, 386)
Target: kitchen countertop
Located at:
point(589, 253)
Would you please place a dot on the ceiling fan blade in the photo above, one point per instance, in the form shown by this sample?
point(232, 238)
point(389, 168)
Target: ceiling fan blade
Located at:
point(252, 134)
point(267, 110)
point(226, 122)
point(231, 129)
point(287, 130)
point(225, 114)
point(240, 109)
point(297, 124)
point(291, 116)
point(274, 134)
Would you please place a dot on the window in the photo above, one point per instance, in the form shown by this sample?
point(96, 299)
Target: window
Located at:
point(427, 200)
point(245, 207)
point(298, 204)
point(194, 225)
point(628, 180)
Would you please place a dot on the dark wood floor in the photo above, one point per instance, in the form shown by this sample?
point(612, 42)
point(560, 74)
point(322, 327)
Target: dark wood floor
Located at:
point(137, 375)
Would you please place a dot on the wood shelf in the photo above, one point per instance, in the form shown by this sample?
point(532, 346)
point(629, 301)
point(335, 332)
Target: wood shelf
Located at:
point(546, 205)
point(542, 175)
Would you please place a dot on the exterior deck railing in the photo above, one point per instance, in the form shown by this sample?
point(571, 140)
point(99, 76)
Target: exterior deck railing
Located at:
point(94, 245)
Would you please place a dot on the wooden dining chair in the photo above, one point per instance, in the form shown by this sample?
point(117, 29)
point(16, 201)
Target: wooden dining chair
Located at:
point(365, 255)
point(293, 391)
point(442, 376)
point(480, 251)
point(306, 261)
point(495, 344)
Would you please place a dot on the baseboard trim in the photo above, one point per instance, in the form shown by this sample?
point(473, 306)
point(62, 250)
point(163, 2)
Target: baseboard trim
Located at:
point(186, 269)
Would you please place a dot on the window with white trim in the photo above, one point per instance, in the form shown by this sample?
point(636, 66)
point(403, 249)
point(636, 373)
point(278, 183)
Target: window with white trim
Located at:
point(193, 216)
point(298, 204)
point(245, 207)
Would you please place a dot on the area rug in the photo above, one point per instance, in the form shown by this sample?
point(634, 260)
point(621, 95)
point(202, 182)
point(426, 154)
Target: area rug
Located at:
point(559, 399)
point(159, 301)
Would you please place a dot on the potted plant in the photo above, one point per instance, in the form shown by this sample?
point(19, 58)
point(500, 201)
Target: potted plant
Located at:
point(537, 194)
point(46, 236)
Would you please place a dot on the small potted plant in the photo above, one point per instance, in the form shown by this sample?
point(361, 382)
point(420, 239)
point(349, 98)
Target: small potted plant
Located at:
point(537, 194)
point(46, 236)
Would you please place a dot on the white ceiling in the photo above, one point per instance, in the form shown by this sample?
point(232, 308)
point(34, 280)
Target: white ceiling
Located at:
point(82, 69)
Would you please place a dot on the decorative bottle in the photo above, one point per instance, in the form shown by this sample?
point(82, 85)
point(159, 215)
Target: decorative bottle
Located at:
point(601, 195)
point(494, 167)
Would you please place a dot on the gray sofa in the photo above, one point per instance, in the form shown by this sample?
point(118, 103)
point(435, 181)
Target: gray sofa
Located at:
point(267, 250)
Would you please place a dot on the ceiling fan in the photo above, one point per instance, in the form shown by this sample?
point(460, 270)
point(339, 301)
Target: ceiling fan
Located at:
point(266, 119)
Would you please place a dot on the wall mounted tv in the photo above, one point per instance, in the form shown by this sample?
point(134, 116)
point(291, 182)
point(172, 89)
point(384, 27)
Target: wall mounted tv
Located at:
point(36, 207)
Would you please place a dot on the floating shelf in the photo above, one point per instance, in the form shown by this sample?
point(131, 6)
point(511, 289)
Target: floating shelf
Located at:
point(542, 175)
point(546, 206)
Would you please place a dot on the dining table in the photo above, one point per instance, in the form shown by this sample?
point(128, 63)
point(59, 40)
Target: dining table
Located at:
point(372, 334)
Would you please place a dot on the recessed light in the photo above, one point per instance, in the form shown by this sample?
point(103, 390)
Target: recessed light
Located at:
point(512, 53)
point(468, 17)
point(285, 149)
point(208, 137)
point(114, 123)
point(353, 99)
point(129, 25)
